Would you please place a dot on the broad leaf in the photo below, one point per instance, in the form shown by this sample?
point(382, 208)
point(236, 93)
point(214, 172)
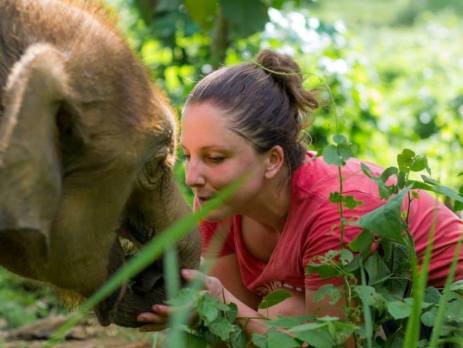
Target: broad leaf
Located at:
point(316, 334)
point(362, 243)
point(274, 298)
point(238, 339)
point(202, 12)
point(376, 269)
point(287, 322)
point(405, 160)
point(332, 291)
point(245, 17)
point(323, 270)
point(222, 328)
point(277, 339)
point(385, 221)
point(447, 191)
point(367, 294)
point(399, 309)
point(259, 341)
point(331, 156)
point(340, 139)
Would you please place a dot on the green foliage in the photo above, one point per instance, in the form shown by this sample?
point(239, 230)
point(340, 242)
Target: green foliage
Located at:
point(274, 298)
point(22, 301)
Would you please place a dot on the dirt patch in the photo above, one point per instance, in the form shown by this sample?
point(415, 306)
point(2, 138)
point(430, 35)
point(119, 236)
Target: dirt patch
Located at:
point(88, 334)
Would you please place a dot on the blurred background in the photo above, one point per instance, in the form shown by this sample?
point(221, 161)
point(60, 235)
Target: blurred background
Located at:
point(389, 74)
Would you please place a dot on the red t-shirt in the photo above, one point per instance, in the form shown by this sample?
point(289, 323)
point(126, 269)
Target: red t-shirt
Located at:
point(312, 228)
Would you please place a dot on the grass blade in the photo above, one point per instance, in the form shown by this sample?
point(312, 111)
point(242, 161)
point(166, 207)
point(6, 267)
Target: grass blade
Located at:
point(420, 280)
point(443, 301)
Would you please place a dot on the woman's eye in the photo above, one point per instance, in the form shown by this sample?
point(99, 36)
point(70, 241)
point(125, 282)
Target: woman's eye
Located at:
point(186, 157)
point(215, 159)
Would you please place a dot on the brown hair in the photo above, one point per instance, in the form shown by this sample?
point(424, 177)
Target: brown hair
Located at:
point(265, 100)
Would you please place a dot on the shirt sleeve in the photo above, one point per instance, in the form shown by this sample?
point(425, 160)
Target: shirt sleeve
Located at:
point(216, 239)
point(428, 215)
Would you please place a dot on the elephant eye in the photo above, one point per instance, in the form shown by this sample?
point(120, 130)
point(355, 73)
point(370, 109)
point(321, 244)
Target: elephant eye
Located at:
point(151, 174)
point(71, 142)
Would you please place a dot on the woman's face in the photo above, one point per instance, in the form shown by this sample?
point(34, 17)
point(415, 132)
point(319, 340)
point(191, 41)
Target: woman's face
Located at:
point(216, 156)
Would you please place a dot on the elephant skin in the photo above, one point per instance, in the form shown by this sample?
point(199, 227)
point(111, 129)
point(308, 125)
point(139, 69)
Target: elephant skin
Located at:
point(87, 147)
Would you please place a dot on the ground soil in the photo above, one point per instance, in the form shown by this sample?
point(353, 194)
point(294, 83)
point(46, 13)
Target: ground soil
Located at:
point(88, 334)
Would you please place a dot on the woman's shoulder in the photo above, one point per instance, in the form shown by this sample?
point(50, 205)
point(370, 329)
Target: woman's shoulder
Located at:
point(315, 179)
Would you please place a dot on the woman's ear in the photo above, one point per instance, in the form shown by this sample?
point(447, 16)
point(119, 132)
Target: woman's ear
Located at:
point(274, 162)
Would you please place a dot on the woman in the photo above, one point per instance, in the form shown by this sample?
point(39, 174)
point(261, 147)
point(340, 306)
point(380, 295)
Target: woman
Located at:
point(246, 119)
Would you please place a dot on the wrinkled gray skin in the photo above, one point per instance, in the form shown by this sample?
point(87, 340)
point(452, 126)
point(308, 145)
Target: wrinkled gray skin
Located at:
point(86, 148)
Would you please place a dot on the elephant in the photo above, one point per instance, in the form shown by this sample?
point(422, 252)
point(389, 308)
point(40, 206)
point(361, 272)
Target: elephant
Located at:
point(87, 148)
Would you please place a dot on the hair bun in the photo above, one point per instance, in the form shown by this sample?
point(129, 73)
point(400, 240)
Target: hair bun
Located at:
point(287, 73)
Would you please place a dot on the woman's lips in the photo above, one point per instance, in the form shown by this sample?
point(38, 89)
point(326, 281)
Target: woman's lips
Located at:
point(203, 199)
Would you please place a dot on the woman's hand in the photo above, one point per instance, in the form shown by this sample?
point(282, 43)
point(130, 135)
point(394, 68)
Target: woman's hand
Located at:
point(158, 318)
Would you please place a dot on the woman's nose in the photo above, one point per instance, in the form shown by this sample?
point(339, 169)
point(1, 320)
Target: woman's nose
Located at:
point(193, 174)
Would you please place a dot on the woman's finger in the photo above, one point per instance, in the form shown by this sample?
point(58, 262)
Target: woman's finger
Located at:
point(149, 317)
point(212, 284)
point(152, 327)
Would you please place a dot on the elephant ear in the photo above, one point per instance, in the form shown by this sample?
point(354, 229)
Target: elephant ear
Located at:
point(30, 170)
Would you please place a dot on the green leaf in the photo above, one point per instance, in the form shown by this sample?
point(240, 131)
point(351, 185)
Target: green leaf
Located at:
point(457, 286)
point(207, 308)
point(287, 322)
point(459, 205)
point(274, 298)
point(428, 318)
point(387, 173)
point(278, 4)
point(259, 341)
point(222, 328)
point(350, 202)
point(345, 256)
point(366, 170)
point(432, 295)
point(245, 17)
point(354, 265)
point(316, 334)
point(277, 339)
point(376, 269)
point(385, 221)
point(238, 339)
point(362, 243)
point(194, 341)
point(366, 294)
point(345, 151)
point(323, 270)
point(202, 12)
point(399, 310)
point(340, 139)
point(447, 191)
point(232, 312)
point(329, 289)
point(335, 197)
point(331, 156)
point(405, 160)
point(419, 163)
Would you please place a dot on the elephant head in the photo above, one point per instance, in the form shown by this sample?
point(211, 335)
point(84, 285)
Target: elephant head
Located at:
point(87, 147)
